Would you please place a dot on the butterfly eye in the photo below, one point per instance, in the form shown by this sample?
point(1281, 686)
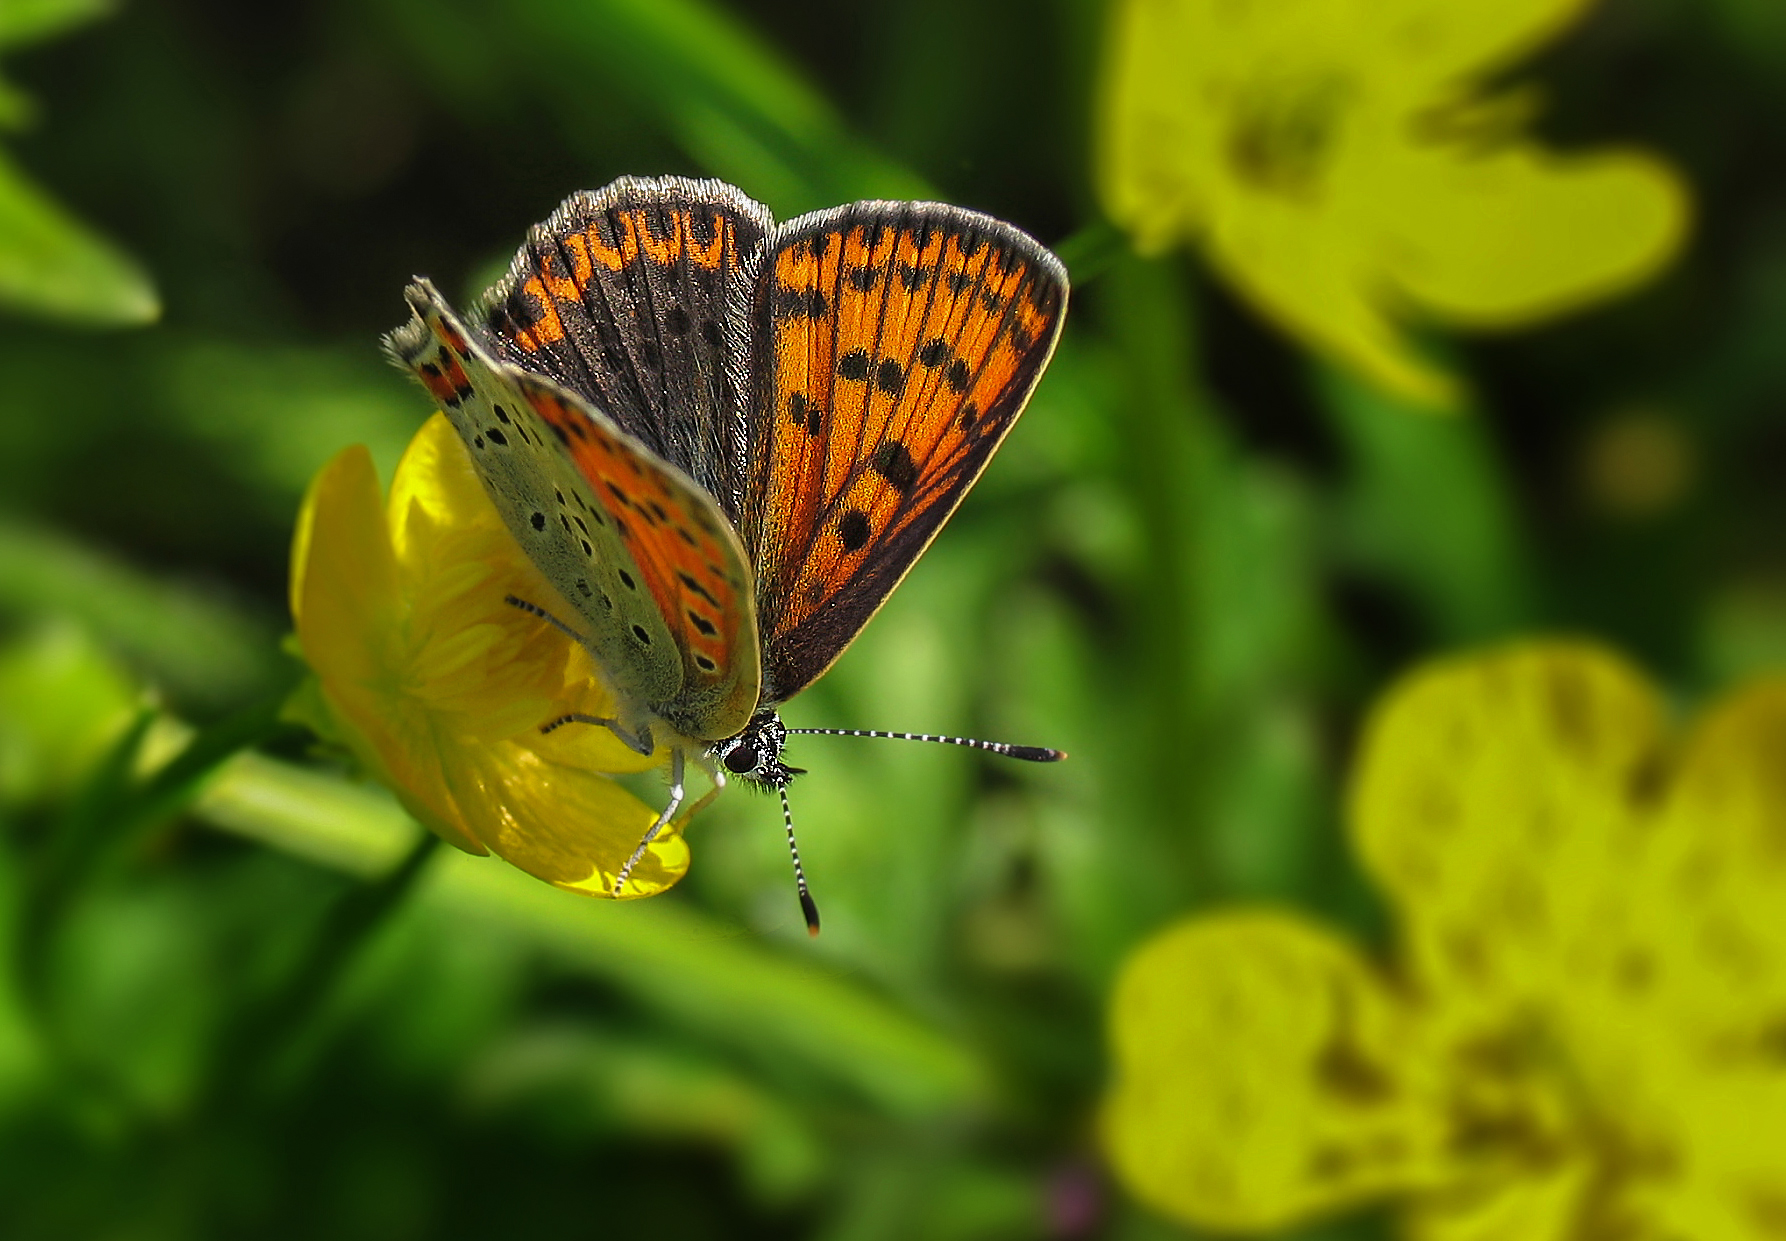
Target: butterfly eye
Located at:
point(742, 758)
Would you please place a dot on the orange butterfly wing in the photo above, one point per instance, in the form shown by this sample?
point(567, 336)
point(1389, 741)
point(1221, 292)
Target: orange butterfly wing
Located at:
point(622, 297)
point(896, 344)
point(645, 556)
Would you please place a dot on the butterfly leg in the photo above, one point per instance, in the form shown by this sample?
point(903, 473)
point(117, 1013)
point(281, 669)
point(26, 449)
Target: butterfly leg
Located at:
point(639, 743)
point(718, 776)
point(677, 792)
point(534, 609)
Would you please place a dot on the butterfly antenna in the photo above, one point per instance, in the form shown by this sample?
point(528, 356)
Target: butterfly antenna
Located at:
point(1028, 753)
point(807, 906)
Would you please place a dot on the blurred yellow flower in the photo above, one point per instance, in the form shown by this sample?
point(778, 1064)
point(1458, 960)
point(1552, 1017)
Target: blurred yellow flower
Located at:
point(1340, 167)
point(440, 687)
point(1582, 1031)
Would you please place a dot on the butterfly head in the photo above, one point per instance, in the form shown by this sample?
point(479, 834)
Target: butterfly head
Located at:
point(754, 755)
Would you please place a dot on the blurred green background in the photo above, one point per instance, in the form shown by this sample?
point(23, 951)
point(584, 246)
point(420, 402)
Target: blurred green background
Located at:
point(1194, 563)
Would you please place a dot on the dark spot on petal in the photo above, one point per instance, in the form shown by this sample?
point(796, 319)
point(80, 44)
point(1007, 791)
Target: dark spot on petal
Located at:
point(502, 415)
point(678, 321)
point(854, 364)
point(497, 437)
point(862, 279)
point(539, 521)
point(705, 664)
point(958, 375)
point(587, 550)
point(643, 637)
point(626, 580)
point(934, 352)
point(701, 623)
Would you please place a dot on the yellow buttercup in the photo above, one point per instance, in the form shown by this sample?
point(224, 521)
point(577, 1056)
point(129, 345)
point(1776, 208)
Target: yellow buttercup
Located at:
point(1339, 162)
point(1577, 1033)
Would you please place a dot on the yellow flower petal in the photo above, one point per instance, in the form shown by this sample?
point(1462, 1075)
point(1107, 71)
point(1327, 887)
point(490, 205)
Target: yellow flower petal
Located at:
point(1332, 159)
point(570, 827)
point(1544, 1201)
point(1439, 45)
point(441, 687)
point(357, 599)
point(1731, 1181)
point(1261, 1073)
point(1490, 795)
point(1325, 288)
point(1546, 234)
point(348, 613)
point(1720, 870)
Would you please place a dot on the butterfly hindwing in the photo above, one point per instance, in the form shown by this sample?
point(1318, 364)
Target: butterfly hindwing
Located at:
point(894, 346)
point(622, 296)
point(644, 555)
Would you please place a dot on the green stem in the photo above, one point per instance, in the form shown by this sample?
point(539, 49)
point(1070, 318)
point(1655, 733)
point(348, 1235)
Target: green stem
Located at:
point(1175, 451)
point(274, 1030)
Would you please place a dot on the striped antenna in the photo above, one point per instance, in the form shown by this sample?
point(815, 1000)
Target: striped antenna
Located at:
point(1028, 753)
point(808, 906)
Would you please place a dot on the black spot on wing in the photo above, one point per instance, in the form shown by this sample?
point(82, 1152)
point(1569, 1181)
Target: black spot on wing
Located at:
point(854, 364)
point(893, 462)
point(854, 530)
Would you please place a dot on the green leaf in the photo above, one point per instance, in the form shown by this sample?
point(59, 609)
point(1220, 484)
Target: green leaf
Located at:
point(63, 702)
point(1427, 508)
point(704, 976)
point(52, 265)
point(32, 21)
point(732, 100)
point(195, 645)
point(689, 967)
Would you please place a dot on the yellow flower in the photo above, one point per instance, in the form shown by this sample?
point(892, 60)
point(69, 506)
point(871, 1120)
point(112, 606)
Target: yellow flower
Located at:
point(1340, 167)
point(439, 687)
point(1581, 1031)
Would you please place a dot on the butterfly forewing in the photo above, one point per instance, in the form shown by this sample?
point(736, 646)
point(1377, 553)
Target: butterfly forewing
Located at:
point(894, 345)
point(644, 555)
point(622, 296)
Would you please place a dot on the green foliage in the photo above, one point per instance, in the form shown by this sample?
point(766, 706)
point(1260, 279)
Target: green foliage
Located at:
point(1194, 562)
point(51, 264)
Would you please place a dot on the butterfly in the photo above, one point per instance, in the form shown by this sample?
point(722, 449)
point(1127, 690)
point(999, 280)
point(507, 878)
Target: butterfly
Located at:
point(726, 440)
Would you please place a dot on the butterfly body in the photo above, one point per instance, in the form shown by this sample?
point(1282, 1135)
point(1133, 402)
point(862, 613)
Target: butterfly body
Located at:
point(725, 441)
